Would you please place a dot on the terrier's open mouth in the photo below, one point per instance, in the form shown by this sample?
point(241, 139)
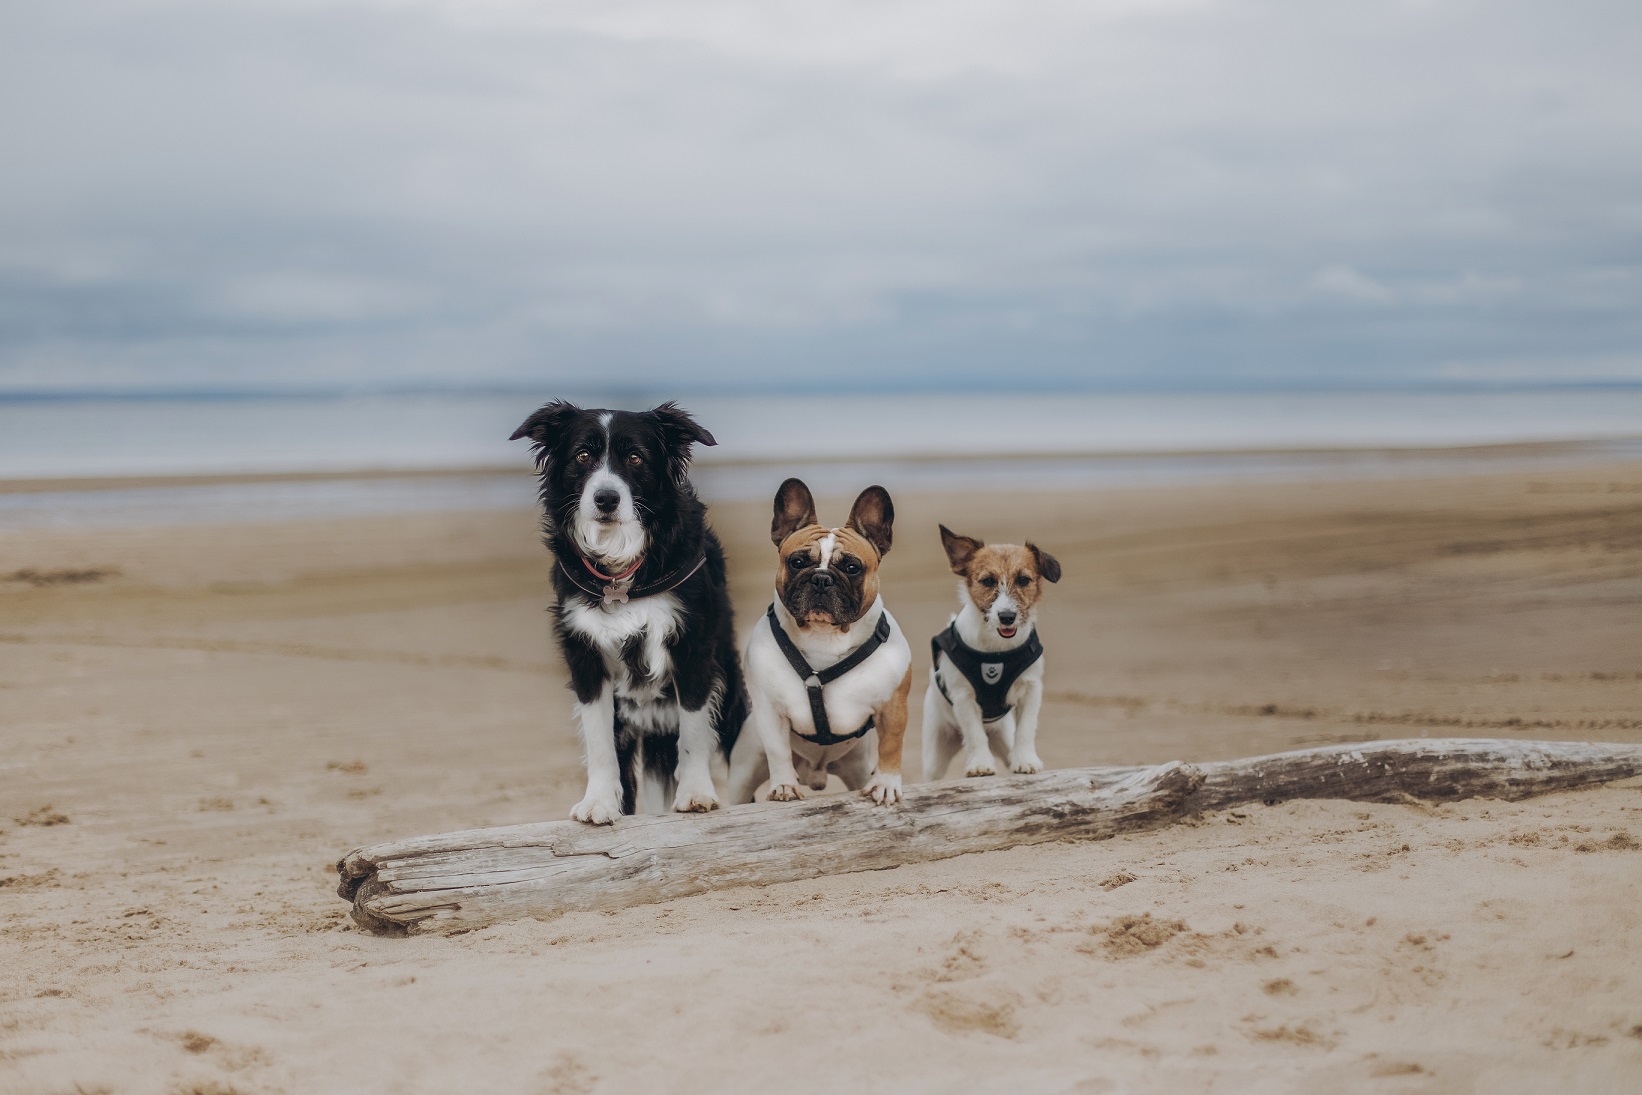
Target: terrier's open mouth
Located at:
point(1006, 632)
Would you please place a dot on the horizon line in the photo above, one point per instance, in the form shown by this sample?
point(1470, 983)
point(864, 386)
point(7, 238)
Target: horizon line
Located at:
point(648, 391)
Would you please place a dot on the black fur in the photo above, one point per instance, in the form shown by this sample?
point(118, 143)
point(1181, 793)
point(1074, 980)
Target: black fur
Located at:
point(702, 653)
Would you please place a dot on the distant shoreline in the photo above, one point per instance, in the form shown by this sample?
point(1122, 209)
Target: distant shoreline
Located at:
point(1596, 448)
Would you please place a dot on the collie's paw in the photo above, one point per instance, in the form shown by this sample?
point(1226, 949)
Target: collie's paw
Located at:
point(1026, 765)
point(699, 801)
point(785, 792)
point(596, 810)
point(884, 788)
point(979, 766)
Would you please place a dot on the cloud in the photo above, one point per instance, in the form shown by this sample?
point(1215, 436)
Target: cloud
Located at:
point(772, 193)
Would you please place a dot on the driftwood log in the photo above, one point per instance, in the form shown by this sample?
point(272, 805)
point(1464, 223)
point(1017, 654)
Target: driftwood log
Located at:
point(460, 881)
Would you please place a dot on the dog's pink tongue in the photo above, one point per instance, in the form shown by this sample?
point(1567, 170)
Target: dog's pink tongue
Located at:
point(1007, 632)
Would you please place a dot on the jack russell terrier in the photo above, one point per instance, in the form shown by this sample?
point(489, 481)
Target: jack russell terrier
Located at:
point(828, 669)
point(986, 687)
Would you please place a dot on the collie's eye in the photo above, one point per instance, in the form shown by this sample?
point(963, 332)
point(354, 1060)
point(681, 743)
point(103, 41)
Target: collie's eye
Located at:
point(852, 568)
point(1023, 581)
point(989, 582)
point(798, 561)
point(583, 456)
point(636, 460)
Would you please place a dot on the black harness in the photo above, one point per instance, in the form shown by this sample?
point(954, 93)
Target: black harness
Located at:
point(615, 592)
point(814, 681)
point(990, 675)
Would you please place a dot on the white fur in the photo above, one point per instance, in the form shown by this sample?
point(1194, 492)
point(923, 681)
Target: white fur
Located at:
point(643, 708)
point(951, 727)
point(615, 544)
point(780, 709)
point(608, 627)
point(601, 805)
point(825, 548)
point(1001, 604)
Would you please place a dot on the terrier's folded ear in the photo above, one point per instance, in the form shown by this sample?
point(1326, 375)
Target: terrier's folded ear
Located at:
point(1048, 565)
point(794, 509)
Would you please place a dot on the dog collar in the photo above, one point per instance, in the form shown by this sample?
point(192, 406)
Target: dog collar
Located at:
point(815, 681)
point(990, 675)
point(620, 589)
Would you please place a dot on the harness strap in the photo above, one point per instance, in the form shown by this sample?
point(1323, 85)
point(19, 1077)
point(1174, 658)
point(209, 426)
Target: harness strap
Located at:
point(990, 675)
point(613, 593)
point(815, 682)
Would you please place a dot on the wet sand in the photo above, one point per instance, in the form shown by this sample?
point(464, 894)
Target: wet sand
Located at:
point(197, 721)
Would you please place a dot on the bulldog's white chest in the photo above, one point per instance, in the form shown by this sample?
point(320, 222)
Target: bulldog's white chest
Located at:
point(849, 701)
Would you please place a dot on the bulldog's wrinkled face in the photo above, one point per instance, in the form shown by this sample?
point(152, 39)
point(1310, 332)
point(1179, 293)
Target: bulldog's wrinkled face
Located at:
point(1003, 581)
point(828, 577)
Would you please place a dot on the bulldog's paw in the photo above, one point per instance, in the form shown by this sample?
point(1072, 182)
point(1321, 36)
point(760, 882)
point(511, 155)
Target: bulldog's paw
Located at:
point(1027, 764)
point(701, 800)
point(785, 792)
point(596, 810)
point(884, 788)
point(979, 766)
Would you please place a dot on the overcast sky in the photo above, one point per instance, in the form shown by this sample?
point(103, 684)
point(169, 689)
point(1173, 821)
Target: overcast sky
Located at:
point(1153, 193)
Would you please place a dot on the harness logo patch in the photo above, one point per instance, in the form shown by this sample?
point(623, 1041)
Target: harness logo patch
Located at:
point(991, 672)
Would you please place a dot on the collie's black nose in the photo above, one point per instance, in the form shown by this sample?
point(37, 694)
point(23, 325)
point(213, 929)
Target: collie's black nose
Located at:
point(1007, 617)
point(607, 500)
point(821, 580)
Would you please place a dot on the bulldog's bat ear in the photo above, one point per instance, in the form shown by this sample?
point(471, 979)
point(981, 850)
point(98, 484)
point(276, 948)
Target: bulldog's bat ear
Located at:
point(546, 424)
point(960, 549)
point(794, 508)
point(1048, 565)
point(873, 516)
point(680, 431)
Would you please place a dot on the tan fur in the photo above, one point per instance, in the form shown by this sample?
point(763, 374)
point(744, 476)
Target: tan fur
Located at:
point(892, 726)
point(850, 542)
point(1008, 565)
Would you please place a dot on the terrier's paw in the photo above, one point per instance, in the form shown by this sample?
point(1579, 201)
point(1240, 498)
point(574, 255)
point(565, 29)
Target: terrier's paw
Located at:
point(1026, 765)
point(596, 810)
point(785, 792)
point(884, 788)
point(979, 766)
point(700, 801)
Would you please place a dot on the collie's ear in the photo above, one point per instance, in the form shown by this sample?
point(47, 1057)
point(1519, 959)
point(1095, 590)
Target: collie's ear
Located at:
point(546, 424)
point(678, 424)
point(794, 508)
point(679, 431)
point(873, 516)
point(959, 549)
point(1048, 565)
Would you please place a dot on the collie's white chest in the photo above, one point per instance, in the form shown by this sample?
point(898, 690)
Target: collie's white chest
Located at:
point(633, 639)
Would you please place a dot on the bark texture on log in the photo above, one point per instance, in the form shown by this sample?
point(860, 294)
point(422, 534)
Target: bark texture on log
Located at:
point(460, 881)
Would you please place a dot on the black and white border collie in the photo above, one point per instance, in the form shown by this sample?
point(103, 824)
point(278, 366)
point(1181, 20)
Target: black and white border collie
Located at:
point(643, 614)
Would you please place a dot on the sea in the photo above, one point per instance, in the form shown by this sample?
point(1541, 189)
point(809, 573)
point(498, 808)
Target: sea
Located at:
point(144, 460)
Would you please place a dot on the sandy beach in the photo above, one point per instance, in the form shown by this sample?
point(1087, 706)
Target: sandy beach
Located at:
point(196, 722)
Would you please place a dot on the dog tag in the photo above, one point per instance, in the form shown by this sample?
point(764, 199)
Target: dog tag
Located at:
point(991, 672)
point(616, 593)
